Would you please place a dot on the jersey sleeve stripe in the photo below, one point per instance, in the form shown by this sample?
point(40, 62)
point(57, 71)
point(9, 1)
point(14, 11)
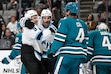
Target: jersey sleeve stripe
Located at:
point(101, 60)
point(17, 45)
point(70, 52)
point(101, 56)
point(89, 52)
point(60, 34)
point(8, 59)
point(73, 49)
point(39, 35)
point(90, 48)
point(59, 39)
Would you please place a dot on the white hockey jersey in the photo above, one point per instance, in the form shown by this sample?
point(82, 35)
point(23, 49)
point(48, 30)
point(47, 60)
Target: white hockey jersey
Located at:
point(29, 37)
point(48, 40)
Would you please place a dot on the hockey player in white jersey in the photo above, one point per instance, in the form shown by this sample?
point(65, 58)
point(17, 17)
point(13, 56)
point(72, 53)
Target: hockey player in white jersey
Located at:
point(46, 20)
point(30, 43)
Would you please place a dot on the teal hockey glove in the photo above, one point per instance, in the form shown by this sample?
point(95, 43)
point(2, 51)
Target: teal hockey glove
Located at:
point(6, 60)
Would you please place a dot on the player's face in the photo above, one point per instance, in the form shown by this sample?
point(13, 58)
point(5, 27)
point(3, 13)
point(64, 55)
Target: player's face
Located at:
point(34, 19)
point(46, 20)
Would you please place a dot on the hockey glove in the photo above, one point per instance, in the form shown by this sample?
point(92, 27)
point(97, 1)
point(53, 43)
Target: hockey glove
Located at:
point(6, 60)
point(53, 28)
point(50, 55)
point(29, 24)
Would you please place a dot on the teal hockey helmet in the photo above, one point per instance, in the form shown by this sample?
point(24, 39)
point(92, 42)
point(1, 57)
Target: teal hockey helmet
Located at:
point(73, 7)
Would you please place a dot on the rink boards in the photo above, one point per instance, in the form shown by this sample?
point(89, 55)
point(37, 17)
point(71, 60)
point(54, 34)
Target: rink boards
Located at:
point(13, 67)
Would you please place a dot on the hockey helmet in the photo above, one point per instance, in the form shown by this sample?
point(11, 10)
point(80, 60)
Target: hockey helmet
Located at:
point(46, 12)
point(22, 21)
point(73, 7)
point(102, 26)
point(30, 13)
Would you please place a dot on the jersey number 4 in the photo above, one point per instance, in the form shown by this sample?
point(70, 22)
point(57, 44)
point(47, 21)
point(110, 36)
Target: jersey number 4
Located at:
point(80, 36)
point(106, 42)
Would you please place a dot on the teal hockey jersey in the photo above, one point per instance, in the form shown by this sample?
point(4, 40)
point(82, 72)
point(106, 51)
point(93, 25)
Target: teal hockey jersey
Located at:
point(18, 41)
point(15, 50)
point(99, 47)
point(17, 46)
point(70, 40)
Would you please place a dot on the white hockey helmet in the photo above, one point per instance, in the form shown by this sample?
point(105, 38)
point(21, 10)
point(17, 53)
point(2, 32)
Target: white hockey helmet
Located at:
point(102, 26)
point(30, 13)
point(46, 12)
point(22, 21)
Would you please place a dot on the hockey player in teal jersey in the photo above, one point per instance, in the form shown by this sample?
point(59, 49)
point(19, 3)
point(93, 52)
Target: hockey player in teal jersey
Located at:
point(99, 49)
point(16, 50)
point(69, 43)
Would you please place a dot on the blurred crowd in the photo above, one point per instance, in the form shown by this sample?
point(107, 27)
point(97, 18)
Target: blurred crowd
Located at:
point(57, 8)
point(32, 12)
point(13, 19)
